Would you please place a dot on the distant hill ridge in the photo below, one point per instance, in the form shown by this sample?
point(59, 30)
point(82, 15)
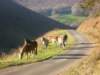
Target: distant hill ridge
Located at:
point(37, 4)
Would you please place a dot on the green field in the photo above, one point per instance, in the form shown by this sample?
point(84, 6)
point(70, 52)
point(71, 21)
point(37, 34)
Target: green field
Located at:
point(68, 19)
point(43, 54)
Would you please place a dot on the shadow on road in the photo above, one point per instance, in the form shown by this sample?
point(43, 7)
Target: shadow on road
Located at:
point(72, 55)
point(66, 58)
point(83, 46)
point(77, 47)
point(69, 56)
point(85, 43)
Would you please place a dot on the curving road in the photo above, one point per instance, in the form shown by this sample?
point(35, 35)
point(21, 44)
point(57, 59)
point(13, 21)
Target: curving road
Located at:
point(55, 64)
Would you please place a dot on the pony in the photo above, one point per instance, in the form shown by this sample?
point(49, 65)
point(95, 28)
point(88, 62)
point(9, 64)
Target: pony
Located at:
point(65, 37)
point(62, 40)
point(53, 38)
point(45, 41)
point(28, 47)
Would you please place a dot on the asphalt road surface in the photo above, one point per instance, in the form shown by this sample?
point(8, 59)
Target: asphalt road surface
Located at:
point(56, 63)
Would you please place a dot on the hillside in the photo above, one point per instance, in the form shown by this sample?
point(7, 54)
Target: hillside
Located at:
point(42, 4)
point(18, 22)
point(91, 27)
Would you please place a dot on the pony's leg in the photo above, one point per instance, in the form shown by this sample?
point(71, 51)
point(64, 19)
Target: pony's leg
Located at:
point(27, 55)
point(35, 51)
point(64, 44)
point(60, 45)
point(21, 55)
point(32, 52)
point(56, 43)
point(46, 45)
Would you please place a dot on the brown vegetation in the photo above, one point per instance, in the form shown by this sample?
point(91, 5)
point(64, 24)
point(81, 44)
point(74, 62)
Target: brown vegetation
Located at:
point(91, 28)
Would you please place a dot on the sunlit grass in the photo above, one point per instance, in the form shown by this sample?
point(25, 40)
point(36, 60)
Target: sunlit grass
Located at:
point(69, 19)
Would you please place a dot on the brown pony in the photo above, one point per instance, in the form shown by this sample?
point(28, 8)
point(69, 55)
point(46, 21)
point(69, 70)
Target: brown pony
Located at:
point(29, 47)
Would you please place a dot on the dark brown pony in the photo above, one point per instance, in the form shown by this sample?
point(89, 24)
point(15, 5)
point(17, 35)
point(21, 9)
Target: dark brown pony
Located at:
point(65, 37)
point(30, 47)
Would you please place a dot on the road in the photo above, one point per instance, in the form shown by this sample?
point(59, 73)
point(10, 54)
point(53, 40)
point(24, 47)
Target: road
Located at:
point(56, 63)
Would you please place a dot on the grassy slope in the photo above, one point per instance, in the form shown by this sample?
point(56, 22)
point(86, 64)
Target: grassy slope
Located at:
point(42, 52)
point(91, 64)
point(68, 19)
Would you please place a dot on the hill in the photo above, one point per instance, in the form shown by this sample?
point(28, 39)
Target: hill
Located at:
point(18, 22)
point(42, 4)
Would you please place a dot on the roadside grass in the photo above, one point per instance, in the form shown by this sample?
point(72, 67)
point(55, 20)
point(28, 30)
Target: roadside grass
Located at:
point(43, 54)
point(68, 19)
